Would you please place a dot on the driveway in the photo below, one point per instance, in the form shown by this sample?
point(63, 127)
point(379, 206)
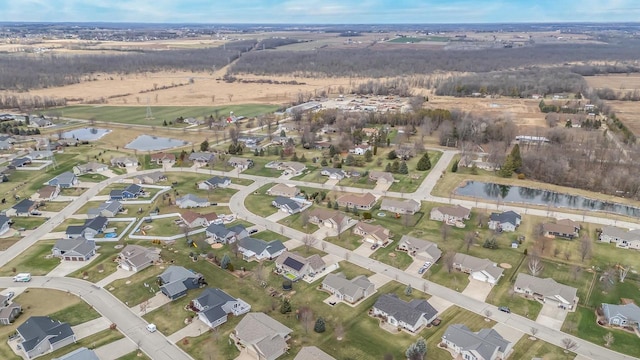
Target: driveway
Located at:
point(508, 332)
point(379, 280)
point(332, 182)
point(382, 186)
point(67, 267)
point(118, 274)
point(414, 267)
point(277, 216)
point(364, 250)
point(439, 304)
point(478, 290)
point(91, 327)
point(196, 328)
point(116, 349)
point(551, 316)
point(155, 302)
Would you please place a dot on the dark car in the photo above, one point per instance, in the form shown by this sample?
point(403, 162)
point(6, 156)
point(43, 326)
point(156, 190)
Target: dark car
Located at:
point(504, 309)
point(374, 246)
point(253, 231)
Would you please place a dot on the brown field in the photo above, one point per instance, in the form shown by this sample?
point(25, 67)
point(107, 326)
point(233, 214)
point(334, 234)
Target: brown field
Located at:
point(616, 82)
point(629, 113)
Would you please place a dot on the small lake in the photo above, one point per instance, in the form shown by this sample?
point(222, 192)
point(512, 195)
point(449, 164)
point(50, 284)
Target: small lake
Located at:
point(154, 143)
point(518, 194)
point(86, 134)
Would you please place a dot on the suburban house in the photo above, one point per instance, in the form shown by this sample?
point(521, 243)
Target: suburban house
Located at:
point(297, 266)
point(213, 306)
point(420, 249)
point(381, 177)
point(193, 219)
point(627, 315)
point(22, 208)
point(191, 201)
point(132, 191)
point(150, 178)
point(76, 249)
point(260, 249)
point(5, 224)
point(505, 221)
point(8, 312)
point(329, 218)
point(90, 167)
point(106, 209)
point(333, 173)
point(65, 180)
point(218, 233)
point(451, 215)
point(409, 206)
point(40, 154)
point(48, 192)
point(284, 190)
point(566, 228)
point(485, 344)
point(289, 205)
point(287, 167)
point(360, 202)
point(546, 290)
point(41, 334)
point(124, 162)
point(374, 234)
point(360, 149)
point(176, 281)
point(312, 353)
point(79, 354)
point(163, 158)
point(350, 291)
point(89, 230)
point(622, 238)
point(411, 316)
point(40, 122)
point(240, 163)
point(19, 162)
point(214, 183)
point(480, 269)
point(201, 158)
point(135, 257)
point(263, 337)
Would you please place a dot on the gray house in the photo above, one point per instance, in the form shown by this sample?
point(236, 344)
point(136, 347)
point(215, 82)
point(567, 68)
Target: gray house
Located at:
point(135, 257)
point(79, 354)
point(485, 344)
point(90, 229)
point(546, 290)
point(420, 249)
point(214, 183)
point(506, 221)
point(411, 316)
point(90, 167)
point(176, 281)
point(622, 315)
point(41, 334)
point(260, 249)
point(213, 306)
point(263, 337)
point(8, 312)
point(76, 249)
point(201, 158)
point(287, 205)
point(23, 208)
point(65, 180)
point(348, 290)
point(107, 209)
point(218, 233)
point(191, 201)
point(5, 224)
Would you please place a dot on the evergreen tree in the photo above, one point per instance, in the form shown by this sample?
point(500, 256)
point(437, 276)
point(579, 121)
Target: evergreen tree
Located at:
point(507, 168)
point(408, 290)
point(294, 157)
point(395, 166)
point(424, 163)
point(283, 133)
point(324, 162)
point(320, 326)
point(454, 167)
point(335, 205)
point(204, 146)
point(332, 151)
point(404, 169)
point(285, 307)
point(392, 155)
point(261, 152)
point(224, 263)
point(388, 167)
point(255, 152)
point(350, 160)
point(368, 156)
point(329, 204)
point(375, 149)
point(515, 157)
point(303, 158)
point(232, 149)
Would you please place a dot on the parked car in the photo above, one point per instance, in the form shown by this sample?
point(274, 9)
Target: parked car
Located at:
point(422, 270)
point(253, 231)
point(10, 294)
point(504, 309)
point(374, 246)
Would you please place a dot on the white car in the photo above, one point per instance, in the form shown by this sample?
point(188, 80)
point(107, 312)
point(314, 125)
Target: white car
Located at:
point(10, 294)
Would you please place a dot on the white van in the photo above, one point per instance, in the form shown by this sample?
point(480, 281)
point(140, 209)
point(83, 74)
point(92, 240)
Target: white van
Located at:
point(22, 277)
point(151, 327)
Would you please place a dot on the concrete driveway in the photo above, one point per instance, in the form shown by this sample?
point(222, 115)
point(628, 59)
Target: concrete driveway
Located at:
point(116, 349)
point(478, 290)
point(379, 280)
point(508, 332)
point(551, 316)
point(364, 250)
point(277, 216)
point(67, 267)
point(414, 267)
point(91, 327)
point(196, 328)
point(440, 304)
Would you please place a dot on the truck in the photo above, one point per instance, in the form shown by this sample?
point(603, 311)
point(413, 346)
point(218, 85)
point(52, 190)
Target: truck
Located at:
point(22, 277)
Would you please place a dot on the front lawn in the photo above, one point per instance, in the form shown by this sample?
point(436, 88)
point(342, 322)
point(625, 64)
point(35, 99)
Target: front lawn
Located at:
point(295, 222)
point(526, 348)
point(388, 255)
point(259, 203)
point(455, 280)
point(76, 314)
point(36, 260)
point(132, 291)
point(106, 255)
point(136, 355)
point(171, 316)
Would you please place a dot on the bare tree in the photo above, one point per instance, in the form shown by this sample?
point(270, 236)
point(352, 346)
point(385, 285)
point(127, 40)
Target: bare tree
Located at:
point(305, 314)
point(567, 254)
point(585, 247)
point(444, 231)
point(608, 339)
point(304, 219)
point(448, 261)
point(533, 331)
point(469, 239)
point(235, 248)
point(556, 251)
point(260, 273)
point(535, 265)
point(623, 271)
point(568, 344)
point(309, 241)
point(575, 270)
point(143, 307)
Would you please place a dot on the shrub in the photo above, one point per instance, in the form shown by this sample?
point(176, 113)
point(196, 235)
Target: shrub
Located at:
point(366, 215)
point(521, 176)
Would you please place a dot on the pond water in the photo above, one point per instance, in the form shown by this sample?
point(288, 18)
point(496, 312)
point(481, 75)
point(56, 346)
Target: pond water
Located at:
point(153, 143)
point(518, 194)
point(86, 134)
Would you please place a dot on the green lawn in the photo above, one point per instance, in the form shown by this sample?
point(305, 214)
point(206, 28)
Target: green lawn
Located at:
point(93, 341)
point(407, 183)
point(93, 177)
point(399, 259)
point(162, 227)
point(136, 355)
point(259, 203)
point(582, 323)
point(243, 182)
point(136, 114)
point(132, 291)
point(28, 222)
point(295, 222)
point(526, 348)
point(34, 260)
point(629, 289)
point(54, 206)
point(347, 240)
point(76, 314)
point(105, 261)
point(170, 317)
point(455, 280)
point(267, 235)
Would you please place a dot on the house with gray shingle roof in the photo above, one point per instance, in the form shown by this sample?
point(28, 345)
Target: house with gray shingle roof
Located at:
point(450, 214)
point(411, 316)
point(350, 291)
point(214, 183)
point(213, 306)
point(218, 233)
point(297, 266)
point(262, 336)
point(175, 281)
point(546, 290)
point(90, 167)
point(90, 229)
point(312, 353)
point(106, 209)
point(135, 257)
point(485, 344)
point(23, 208)
point(333, 173)
point(288, 205)
point(420, 249)
point(622, 238)
point(284, 190)
point(408, 206)
point(505, 221)
point(5, 224)
point(8, 311)
point(259, 249)
point(480, 269)
point(77, 249)
point(201, 158)
point(41, 334)
point(80, 354)
point(150, 178)
point(622, 315)
point(191, 201)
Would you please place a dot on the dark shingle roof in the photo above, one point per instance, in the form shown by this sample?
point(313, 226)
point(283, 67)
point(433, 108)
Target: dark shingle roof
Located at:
point(407, 312)
point(37, 328)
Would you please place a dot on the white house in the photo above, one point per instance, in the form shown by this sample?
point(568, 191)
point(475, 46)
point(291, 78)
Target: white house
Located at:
point(485, 344)
point(546, 290)
point(480, 269)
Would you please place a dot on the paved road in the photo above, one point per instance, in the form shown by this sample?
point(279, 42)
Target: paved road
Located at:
point(155, 345)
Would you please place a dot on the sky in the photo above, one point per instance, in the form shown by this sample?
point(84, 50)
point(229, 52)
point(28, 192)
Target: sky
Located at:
point(321, 11)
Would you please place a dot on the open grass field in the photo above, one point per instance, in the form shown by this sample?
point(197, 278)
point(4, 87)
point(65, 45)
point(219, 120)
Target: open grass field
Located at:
point(35, 260)
point(404, 40)
point(136, 114)
point(259, 203)
point(389, 256)
point(32, 304)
